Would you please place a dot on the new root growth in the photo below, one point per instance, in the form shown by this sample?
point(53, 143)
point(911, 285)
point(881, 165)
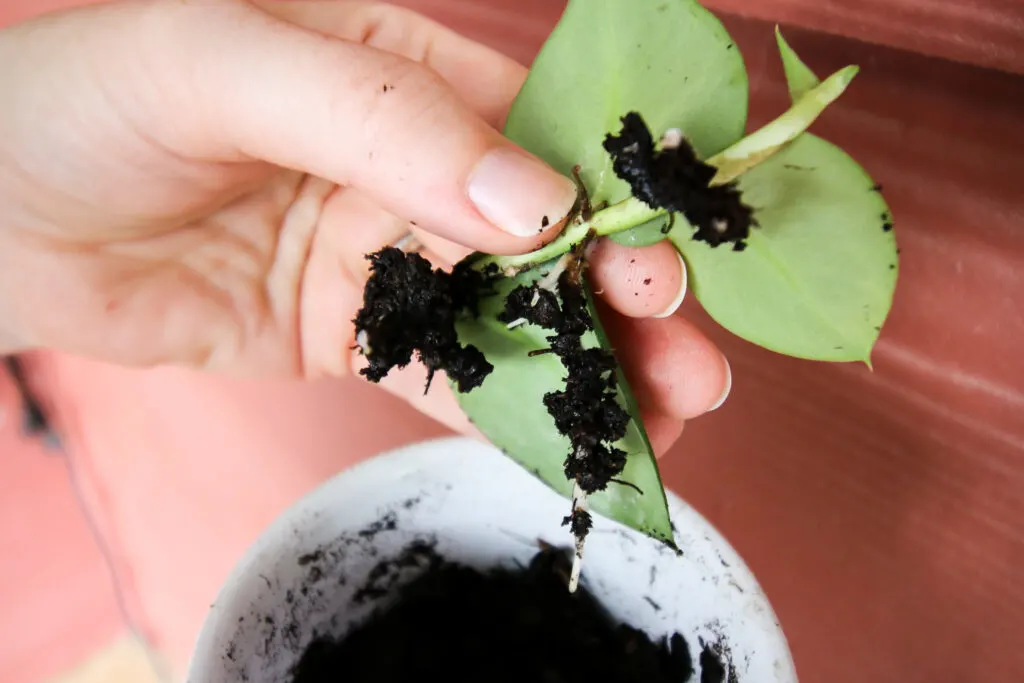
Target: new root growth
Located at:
point(587, 410)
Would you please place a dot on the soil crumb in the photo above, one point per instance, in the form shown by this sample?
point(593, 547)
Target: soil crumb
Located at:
point(458, 624)
point(410, 307)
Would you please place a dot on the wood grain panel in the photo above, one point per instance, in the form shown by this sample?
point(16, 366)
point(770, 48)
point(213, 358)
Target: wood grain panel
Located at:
point(987, 33)
point(883, 510)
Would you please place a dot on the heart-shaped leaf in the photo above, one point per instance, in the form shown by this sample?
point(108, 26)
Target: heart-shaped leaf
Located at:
point(673, 61)
point(509, 409)
point(818, 276)
point(670, 60)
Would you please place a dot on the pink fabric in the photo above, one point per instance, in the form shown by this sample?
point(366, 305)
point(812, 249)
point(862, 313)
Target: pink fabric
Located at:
point(55, 590)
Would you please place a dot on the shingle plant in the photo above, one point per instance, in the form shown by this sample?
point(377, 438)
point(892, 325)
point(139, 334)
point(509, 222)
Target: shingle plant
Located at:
point(788, 243)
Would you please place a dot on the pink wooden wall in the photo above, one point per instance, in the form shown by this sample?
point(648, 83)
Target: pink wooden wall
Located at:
point(882, 511)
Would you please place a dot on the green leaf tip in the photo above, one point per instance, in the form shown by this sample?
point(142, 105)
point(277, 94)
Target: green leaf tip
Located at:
point(799, 76)
point(755, 148)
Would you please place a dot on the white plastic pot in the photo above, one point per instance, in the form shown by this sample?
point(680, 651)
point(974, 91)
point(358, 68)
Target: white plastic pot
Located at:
point(301, 575)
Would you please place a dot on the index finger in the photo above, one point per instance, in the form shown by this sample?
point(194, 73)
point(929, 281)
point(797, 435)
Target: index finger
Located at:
point(485, 79)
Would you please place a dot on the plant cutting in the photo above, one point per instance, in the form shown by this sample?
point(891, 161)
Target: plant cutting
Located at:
point(787, 240)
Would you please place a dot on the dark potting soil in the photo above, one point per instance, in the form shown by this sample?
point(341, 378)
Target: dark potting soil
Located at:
point(674, 178)
point(410, 307)
point(456, 624)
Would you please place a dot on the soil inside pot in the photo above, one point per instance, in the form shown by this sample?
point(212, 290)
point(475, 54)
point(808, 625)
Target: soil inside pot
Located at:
point(456, 623)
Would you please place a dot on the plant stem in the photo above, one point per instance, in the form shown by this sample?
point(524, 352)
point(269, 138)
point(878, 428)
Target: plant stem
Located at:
point(626, 215)
point(747, 153)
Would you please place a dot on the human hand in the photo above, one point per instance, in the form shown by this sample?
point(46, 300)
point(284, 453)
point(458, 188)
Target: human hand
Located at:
point(198, 183)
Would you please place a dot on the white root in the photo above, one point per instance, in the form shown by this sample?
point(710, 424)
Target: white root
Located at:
point(550, 281)
point(408, 243)
point(579, 497)
point(363, 342)
point(579, 502)
point(516, 323)
point(672, 139)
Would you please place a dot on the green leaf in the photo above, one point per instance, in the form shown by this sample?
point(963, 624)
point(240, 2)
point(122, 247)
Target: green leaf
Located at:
point(799, 76)
point(670, 60)
point(818, 276)
point(674, 63)
point(766, 141)
point(509, 409)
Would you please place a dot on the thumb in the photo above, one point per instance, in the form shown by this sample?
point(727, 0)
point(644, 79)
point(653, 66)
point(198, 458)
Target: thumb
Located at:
point(389, 126)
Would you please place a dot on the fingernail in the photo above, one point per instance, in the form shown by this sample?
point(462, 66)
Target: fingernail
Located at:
point(519, 194)
point(678, 301)
point(728, 386)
